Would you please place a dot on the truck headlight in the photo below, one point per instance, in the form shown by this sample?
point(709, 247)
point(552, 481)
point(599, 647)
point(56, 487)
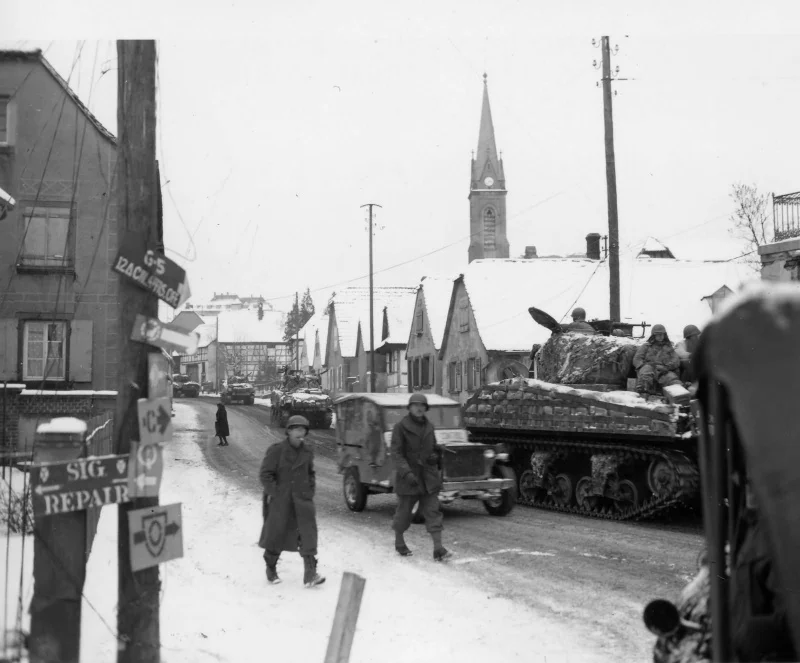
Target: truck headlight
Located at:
point(488, 454)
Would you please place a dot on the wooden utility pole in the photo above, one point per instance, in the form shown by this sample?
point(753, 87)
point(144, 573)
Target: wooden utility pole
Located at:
point(137, 196)
point(611, 185)
point(371, 312)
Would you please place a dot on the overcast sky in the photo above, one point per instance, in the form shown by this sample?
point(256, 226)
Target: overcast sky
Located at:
point(277, 121)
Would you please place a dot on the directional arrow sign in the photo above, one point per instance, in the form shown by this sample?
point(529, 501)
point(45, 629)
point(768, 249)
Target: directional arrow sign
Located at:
point(152, 270)
point(145, 468)
point(164, 335)
point(155, 421)
point(79, 484)
point(156, 535)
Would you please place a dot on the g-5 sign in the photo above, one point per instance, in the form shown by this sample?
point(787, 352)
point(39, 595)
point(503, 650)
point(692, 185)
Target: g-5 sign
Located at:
point(152, 271)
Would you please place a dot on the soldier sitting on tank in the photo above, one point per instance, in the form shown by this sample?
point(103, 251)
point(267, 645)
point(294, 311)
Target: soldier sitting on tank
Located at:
point(685, 349)
point(656, 362)
point(579, 324)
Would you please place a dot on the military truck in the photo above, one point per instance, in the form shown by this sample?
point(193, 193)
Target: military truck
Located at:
point(579, 441)
point(744, 603)
point(470, 470)
point(239, 390)
point(301, 393)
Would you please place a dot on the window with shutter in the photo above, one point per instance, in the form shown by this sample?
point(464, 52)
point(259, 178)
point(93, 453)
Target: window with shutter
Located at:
point(44, 351)
point(451, 376)
point(470, 374)
point(410, 375)
point(46, 236)
point(425, 371)
point(458, 376)
point(419, 327)
point(478, 373)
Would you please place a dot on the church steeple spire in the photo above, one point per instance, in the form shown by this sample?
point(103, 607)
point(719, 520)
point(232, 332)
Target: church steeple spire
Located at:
point(487, 195)
point(486, 162)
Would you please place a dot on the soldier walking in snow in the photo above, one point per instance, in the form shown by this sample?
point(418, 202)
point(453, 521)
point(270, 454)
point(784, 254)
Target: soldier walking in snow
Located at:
point(221, 425)
point(654, 361)
point(288, 477)
point(414, 452)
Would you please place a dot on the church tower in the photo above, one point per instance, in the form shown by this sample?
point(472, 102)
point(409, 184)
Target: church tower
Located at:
point(487, 195)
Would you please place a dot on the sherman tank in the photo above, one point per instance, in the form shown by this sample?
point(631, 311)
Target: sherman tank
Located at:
point(580, 442)
point(301, 394)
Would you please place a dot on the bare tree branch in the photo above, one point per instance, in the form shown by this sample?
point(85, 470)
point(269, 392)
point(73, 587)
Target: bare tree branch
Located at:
point(750, 219)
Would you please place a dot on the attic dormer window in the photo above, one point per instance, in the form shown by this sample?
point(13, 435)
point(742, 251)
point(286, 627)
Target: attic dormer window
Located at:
point(419, 327)
point(463, 315)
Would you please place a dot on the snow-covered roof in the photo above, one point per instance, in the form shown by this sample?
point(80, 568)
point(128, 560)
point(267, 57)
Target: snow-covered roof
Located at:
point(436, 293)
point(245, 327)
point(400, 317)
point(652, 245)
point(316, 328)
point(69, 425)
point(351, 306)
point(654, 290)
point(207, 333)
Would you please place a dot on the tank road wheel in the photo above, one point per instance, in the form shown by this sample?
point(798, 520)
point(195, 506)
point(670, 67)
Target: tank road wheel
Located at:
point(562, 494)
point(583, 495)
point(527, 488)
point(327, 420)
point(355, 495)
point(629, 496)
point(661, 478)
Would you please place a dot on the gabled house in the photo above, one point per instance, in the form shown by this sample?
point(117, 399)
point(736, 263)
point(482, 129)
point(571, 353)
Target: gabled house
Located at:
point(58, 352)
point(395, 323)
point(313, 337)
point(489, 333)
point(425, 334)
point(345, 360)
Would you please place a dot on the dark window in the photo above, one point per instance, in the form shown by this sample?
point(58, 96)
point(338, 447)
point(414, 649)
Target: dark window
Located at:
point(419, 321)
point(451, 376)
point(426, 380)
point(470, 374)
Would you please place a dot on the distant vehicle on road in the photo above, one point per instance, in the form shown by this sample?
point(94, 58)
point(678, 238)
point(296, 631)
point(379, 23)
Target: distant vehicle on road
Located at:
point(183, 387)
point(239, 390)
point(470, 470)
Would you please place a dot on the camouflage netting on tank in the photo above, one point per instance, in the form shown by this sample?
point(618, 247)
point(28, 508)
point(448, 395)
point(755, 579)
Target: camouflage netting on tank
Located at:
point(523, 403)
point(581, 359)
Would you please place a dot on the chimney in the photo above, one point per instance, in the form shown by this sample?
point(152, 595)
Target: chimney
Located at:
point(593, 246)
point(530, 252)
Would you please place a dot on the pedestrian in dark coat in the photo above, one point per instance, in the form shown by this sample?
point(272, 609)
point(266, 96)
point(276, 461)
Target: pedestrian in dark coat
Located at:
point(656, 361)
point(416, 461)
point(289, 481)
point(221, 425)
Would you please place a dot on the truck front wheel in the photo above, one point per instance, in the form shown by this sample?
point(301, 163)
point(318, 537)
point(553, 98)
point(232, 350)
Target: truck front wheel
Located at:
point(355, 495)
point(502, 505)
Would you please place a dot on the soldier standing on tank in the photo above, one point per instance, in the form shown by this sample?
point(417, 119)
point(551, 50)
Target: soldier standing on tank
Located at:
point(416, 460)
point(685, 349)
point(656, 361)
point(289, 480)
point(579, 323)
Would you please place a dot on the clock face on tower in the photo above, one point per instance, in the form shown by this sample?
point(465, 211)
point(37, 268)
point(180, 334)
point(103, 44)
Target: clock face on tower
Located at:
point(488, 181)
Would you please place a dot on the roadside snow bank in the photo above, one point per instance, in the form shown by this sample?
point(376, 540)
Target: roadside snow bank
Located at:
point(217, 606)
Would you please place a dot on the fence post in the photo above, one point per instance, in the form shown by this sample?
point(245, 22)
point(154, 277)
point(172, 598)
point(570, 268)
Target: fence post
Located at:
point(59, 560)
point(345, 618)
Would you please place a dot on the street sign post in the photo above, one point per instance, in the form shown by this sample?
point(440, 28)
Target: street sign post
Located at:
point(78, 484)
point(145, 469)
point(152, 270)
point(164, 335)
point(155, 420)
point(156, 535)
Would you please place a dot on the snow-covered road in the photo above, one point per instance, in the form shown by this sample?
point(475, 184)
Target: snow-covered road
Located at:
point(589, 577)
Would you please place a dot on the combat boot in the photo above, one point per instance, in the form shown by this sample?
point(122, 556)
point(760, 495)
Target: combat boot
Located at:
point(440, 553)
point(310, 577)
point(272, 569)
point(400, 545)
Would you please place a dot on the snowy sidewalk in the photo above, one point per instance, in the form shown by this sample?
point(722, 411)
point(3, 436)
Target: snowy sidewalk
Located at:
point(217, 606)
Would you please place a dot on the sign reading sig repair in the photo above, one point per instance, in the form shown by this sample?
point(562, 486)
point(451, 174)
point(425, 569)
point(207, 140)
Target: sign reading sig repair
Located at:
point(156, 535)
point(78, 484)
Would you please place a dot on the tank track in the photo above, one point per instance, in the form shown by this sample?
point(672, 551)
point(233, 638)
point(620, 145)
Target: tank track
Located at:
point(687, 472)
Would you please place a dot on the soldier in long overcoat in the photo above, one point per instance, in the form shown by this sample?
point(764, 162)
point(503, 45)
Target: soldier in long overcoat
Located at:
point(289, 481)
point(418, 479)
point(656, 361)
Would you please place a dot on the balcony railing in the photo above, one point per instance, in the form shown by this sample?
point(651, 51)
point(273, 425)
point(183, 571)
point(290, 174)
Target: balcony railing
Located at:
point(786, 215)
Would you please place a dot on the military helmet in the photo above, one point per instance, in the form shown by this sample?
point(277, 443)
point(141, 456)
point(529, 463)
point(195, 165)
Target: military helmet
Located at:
point(690, 330)
point(418, 398)
point(298, 420)
point(659, 328)
point(578, 313)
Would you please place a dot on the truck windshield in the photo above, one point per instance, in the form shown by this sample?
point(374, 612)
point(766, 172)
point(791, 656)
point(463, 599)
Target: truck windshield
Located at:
point(441, 416)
